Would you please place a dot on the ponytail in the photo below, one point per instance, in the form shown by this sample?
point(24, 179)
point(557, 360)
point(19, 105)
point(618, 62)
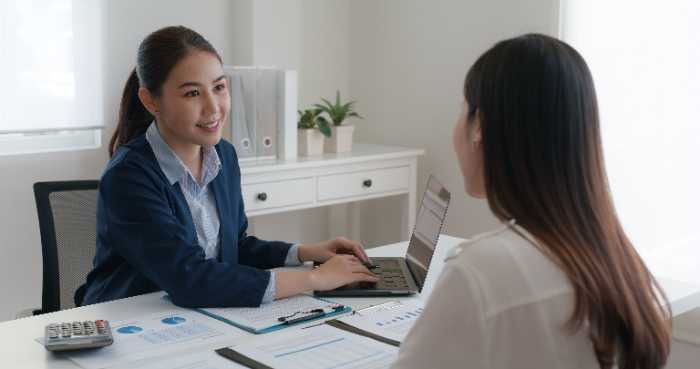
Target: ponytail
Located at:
point(133, 116)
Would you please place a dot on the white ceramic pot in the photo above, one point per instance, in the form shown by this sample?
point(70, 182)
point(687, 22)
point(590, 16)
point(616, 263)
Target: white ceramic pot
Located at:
point(341, 139)
point(310, 142)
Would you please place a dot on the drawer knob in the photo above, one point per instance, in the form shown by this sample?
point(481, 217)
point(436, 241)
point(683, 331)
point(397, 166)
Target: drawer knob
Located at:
point(367, 183)
point(262, 196)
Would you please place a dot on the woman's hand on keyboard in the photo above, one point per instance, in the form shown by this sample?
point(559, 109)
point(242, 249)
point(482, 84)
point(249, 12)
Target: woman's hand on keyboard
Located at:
point(340, 270)
point(323, 251)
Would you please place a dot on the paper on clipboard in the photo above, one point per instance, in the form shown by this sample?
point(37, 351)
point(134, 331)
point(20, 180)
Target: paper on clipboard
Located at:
point(318, 347)
point(265, 318)
point(392, 320)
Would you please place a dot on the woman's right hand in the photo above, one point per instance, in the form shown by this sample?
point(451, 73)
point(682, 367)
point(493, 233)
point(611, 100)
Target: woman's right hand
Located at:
point(338, 271)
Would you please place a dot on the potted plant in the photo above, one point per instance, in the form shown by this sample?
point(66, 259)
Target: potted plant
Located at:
point(312, 128)
point(340, 139)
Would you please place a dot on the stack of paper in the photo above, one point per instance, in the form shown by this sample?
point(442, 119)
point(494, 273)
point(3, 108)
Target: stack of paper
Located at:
point(265, 318)
point(319, 347)
point(159, 335)
point(392, 320)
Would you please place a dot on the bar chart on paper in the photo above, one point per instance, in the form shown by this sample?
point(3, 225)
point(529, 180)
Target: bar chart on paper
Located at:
point(391, 320)
point(321, 347)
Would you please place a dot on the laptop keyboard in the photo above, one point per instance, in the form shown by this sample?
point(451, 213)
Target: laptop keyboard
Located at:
point(391, 275)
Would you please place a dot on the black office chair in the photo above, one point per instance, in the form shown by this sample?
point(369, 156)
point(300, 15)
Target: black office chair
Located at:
point(67, 223)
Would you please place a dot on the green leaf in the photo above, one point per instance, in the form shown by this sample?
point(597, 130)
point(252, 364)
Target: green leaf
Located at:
point(337, 112)
point(323, 126)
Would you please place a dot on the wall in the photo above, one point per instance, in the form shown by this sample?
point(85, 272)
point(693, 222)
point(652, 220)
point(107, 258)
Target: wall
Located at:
point(408, 59)
point(310, 36)
point(233, 30)
point(404, 62)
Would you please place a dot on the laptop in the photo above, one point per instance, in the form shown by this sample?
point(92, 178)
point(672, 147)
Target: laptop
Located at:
point(406, 275)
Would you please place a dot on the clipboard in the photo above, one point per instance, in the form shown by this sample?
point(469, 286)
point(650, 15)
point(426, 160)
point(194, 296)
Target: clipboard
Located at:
point(239, 358)
point(389, 322)
point(321, 346)
point(352, 329)
point(367, 311)
point(278, 314)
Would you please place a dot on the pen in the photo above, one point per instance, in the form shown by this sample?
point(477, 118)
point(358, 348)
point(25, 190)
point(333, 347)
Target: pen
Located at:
point(308, 315)
point(313, 314)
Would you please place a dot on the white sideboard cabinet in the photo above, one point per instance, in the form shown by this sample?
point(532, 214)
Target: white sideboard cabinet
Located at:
point(368, 172)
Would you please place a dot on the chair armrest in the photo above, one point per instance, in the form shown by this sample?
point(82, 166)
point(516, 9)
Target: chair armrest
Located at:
point(27, 313)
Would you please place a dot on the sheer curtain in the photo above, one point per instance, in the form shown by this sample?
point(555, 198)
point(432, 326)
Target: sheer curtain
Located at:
point(645, 60)
point(50, 66)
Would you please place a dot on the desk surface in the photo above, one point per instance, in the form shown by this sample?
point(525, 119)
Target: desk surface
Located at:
point(19, 350)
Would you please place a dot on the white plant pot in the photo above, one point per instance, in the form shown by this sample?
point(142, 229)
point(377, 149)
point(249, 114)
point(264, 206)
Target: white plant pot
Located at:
point(310, 142)
point(341, 139)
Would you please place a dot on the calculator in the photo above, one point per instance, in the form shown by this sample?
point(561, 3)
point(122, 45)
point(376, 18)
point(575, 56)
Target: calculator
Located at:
point(77, 335)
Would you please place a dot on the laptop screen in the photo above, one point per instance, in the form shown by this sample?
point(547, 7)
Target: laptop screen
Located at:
point(430, 217)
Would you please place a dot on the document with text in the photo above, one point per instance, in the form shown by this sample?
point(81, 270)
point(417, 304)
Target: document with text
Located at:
point(161, 334)
point(207, 359)
point(265, 318)
point(392, 320)
point(319, 347)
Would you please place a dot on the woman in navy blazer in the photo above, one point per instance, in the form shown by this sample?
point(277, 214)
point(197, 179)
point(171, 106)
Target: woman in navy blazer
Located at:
point(170, 211)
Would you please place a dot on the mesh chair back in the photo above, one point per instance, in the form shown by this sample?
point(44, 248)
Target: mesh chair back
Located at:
point(67, 223)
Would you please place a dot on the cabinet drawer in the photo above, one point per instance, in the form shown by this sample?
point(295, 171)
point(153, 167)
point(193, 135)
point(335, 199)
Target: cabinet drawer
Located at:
point(337, 186)
point(278, 194)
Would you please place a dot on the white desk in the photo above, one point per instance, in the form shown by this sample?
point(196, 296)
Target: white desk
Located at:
point(367, 172)
point(18, 350)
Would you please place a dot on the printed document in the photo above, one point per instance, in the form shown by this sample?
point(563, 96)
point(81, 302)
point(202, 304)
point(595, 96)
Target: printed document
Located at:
point(159, 334)
point(266, 316)
point(319, 347)
point(391, 320)
point(207, 359)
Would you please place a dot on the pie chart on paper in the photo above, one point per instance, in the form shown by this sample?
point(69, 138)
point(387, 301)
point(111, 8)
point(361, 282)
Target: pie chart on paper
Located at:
point(173, 320)
point(129, 329)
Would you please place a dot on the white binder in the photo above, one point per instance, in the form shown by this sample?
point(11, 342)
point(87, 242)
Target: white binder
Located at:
point(263, 112)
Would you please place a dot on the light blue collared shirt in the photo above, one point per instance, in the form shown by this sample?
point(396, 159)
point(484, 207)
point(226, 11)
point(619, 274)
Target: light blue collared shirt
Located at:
point(200, 199)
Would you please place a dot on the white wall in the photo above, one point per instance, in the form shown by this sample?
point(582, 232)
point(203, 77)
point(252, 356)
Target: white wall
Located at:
point(408, 59)
point(126, 23)
point(649, 114)
point(310, 36)
point(231, 28)
point(404, 62)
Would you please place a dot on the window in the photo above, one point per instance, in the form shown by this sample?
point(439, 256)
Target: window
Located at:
point(50, 71)
point(644, 57)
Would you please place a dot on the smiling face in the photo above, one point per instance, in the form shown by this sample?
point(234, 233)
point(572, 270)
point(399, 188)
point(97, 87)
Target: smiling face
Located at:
point(193, 103)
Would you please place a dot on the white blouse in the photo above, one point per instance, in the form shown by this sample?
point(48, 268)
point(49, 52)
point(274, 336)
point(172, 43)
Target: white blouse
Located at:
point(500, 303)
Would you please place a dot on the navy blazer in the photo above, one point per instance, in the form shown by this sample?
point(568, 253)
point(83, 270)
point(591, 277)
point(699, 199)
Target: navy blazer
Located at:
point(146, 239)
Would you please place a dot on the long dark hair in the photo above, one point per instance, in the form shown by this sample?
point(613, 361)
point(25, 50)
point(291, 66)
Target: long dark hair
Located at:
point(158, 53)
point(543, 166)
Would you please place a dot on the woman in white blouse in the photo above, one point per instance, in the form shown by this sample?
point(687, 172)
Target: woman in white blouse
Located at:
point(559, 285)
